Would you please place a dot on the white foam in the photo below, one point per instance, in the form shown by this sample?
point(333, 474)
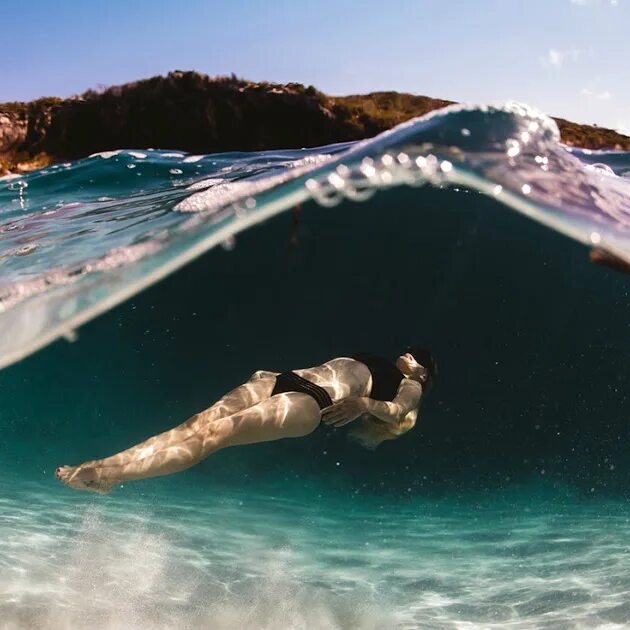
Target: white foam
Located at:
point(206, 183)
point(310, 160)
point(105, 154)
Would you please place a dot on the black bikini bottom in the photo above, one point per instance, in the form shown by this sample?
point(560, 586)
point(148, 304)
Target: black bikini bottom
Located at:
point(291, 382)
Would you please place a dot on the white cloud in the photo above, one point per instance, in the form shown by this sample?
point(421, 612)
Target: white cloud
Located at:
point(556, 58)
point(602, 96)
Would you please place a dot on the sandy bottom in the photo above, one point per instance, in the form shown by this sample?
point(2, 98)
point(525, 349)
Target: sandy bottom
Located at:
point(182, 557)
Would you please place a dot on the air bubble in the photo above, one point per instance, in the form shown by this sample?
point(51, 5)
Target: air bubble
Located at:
point(229, 243)
point(337, 181)
point(387, 160)
point(19, 185)
point(513, 147)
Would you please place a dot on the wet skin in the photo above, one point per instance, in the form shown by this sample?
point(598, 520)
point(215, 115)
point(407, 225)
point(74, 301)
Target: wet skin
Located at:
point(250, 414)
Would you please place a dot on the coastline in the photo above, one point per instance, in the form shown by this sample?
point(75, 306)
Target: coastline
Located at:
point(193, 112)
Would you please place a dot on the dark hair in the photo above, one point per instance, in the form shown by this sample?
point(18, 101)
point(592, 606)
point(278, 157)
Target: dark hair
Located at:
point(424, 357)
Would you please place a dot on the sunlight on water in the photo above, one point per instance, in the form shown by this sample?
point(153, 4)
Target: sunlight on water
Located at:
point(540, 391)
point(79, 238)
point(227, 559)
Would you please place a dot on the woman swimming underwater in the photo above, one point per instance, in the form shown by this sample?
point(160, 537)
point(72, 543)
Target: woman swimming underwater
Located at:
point(382, 397)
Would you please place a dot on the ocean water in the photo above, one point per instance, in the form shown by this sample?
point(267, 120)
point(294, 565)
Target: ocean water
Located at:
point(468, 230)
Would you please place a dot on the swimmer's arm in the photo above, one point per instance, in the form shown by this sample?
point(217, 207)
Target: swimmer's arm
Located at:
point(262, 374)
point(349, 409)
point(407, 399)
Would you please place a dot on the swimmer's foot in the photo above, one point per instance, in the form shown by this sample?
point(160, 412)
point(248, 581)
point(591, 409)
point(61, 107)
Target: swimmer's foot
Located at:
point(84, 477)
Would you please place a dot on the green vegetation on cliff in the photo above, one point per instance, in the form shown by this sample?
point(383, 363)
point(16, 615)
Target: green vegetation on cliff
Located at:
point(193, 112)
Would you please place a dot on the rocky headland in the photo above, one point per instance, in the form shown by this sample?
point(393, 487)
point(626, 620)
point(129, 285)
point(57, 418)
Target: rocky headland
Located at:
point(201, 114)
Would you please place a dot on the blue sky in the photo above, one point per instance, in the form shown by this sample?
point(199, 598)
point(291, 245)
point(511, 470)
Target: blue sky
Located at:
point(570, 58)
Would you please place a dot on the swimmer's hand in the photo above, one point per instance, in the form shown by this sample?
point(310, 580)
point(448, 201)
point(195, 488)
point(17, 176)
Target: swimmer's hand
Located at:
point(344, 412)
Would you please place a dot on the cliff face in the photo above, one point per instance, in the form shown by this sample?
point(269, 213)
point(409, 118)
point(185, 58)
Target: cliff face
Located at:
point(196, 113)
point(12, 132)
point(183, 110)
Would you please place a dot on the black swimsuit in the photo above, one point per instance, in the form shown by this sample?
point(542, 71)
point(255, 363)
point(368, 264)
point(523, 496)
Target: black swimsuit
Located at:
point(292, 382)
point(386, 378)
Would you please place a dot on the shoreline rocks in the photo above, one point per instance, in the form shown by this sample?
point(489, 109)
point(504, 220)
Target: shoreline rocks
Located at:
point(193, 112)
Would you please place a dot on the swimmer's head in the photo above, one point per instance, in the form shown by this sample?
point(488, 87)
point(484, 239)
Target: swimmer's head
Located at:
point(418, 363)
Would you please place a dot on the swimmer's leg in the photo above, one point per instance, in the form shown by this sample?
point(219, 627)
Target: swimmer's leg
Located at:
point(258, 388)
point(285, 415)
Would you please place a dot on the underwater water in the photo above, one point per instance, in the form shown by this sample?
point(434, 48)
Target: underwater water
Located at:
point(506, 506)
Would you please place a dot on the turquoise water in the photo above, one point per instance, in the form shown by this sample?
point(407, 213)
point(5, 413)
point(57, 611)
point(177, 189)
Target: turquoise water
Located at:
point(311, 556)
point(505, 507)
